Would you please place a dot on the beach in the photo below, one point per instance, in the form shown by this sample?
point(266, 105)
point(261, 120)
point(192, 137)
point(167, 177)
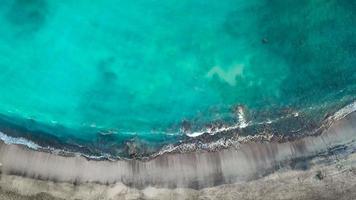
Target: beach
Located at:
point(312, 167)
point(178, 99)
point(338, 183)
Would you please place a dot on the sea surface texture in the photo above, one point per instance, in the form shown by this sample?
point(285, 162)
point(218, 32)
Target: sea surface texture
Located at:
point(109, 77)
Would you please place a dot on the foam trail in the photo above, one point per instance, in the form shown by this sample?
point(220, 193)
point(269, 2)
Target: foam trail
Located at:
point(241, 124)
point(22, 141)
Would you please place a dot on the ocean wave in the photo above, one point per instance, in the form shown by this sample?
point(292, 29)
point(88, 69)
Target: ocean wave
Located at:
point(194, 142)
point(21, 141)
point(237, 140)
point(242, 123)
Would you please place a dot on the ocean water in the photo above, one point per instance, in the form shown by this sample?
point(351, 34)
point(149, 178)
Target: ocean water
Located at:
point(102, 74)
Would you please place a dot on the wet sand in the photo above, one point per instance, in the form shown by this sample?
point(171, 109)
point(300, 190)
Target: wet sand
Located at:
point(336, 181)
point(313, 167)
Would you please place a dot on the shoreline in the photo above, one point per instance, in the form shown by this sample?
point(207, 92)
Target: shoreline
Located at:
point(182, 170)
point(222, 139)
point(311, 167)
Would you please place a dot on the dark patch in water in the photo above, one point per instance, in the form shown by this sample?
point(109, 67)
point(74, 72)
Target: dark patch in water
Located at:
point(302, 56)
point(30, 130)
point(28, 15)
point(317, 48)
point(104, 69)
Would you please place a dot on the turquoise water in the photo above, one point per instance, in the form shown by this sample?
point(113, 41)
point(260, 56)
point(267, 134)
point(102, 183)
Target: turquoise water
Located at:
point(79, 69)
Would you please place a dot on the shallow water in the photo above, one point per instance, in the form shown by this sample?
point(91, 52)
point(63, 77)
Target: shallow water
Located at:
point(109, 71)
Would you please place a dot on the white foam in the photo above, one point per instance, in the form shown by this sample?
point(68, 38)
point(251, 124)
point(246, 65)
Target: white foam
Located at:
point(195, 134)
point(242, 118)
point(345, 111)
point(22, 141)
point(218, 130)
point(243, 123)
